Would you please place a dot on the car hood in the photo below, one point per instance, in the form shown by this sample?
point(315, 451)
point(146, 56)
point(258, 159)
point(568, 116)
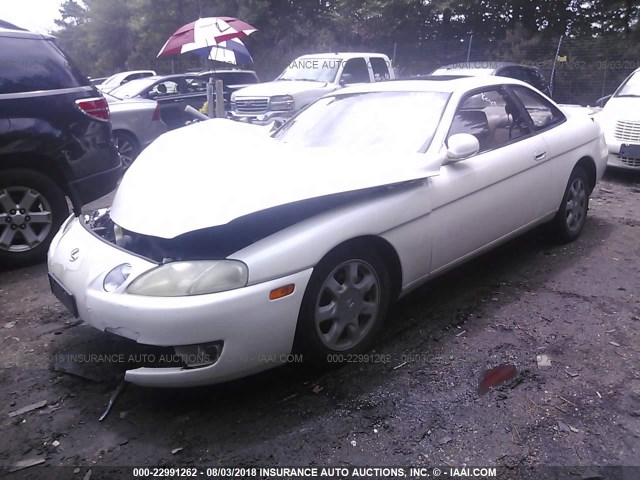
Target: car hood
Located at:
point(622, 108)
point(280, 87)
point(182, 183)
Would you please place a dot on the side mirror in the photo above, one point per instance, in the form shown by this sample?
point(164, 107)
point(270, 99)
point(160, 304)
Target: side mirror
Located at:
point(346, 79)
point(602, 101)
point(461, 146)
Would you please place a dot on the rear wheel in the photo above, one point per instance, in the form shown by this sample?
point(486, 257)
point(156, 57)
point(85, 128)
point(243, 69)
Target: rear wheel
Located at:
point(570, 219)
point(32, 208)
point(127, 146)
point(343, 307)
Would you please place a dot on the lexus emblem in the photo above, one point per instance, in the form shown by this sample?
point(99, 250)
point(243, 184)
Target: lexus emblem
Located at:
point(75, 253)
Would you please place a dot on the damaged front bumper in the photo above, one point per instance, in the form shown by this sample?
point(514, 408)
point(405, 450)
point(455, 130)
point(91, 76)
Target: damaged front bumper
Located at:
point(242, 331)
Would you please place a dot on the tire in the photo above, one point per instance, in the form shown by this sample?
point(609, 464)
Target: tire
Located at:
point(32, 208)
point(326, 334)
point(572, 214)
point(127, 146)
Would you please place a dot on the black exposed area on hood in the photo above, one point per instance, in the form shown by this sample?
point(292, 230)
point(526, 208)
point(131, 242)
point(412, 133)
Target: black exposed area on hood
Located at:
point(219, 242)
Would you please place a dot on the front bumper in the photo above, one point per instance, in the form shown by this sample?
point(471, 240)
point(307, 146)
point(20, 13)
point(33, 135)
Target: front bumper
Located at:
point(615, 160)
point(257, 333)
point(262, 119)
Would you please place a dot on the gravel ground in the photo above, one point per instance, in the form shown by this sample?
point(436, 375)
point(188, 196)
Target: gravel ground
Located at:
point(413, 401)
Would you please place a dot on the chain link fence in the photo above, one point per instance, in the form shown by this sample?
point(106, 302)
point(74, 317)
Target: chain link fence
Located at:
point(579, 70)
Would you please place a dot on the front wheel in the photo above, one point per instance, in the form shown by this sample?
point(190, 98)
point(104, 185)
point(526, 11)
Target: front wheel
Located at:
point(343, 307)
point(572, 214)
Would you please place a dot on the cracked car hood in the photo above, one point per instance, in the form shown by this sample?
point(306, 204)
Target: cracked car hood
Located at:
point(213, 172)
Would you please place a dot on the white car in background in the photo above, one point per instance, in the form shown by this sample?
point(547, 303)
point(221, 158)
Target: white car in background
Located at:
point(114, 81)
point(620, 121)
point(239, 252)
point(306, 79)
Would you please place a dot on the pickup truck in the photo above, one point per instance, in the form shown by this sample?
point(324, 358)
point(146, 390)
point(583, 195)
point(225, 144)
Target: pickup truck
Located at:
point(305, 80)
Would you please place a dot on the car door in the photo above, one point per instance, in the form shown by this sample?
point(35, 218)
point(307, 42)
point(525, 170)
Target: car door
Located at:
point(496, 192)
point(546, 120)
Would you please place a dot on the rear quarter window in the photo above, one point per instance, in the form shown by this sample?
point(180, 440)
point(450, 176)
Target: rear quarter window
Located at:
point(543, 114)
point(28, 65)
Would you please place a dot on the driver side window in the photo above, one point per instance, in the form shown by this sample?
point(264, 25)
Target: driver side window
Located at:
point(167, 87)
point(492, 117)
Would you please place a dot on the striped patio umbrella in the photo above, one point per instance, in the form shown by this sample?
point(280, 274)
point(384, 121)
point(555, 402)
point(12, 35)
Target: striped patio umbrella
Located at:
point(205, 32)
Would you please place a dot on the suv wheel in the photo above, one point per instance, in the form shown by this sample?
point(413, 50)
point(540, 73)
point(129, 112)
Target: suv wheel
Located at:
point(32, 208)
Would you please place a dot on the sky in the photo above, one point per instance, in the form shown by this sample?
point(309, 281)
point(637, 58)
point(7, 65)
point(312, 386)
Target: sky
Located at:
point(35, 15)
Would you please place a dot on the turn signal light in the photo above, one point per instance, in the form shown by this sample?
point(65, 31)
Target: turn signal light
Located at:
point(282, 292)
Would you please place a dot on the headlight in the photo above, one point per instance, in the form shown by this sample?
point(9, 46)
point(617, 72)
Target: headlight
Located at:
point(116, 277)
point(281, 102)
point(178, 279)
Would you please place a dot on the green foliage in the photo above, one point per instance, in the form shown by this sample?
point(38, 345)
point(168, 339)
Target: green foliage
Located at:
point(108, 36)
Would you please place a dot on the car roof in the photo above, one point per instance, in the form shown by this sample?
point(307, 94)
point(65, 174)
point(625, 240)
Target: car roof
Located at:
point(346, 55)
point(128, 72)
point(227, 70)
point(481, 64)
point(433, 84)
point(9, 30)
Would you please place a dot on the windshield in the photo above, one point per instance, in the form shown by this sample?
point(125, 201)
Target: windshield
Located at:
point(133, 88)
point(312, 69)
point(401, 121)
point(630, 87)
point(113, 80)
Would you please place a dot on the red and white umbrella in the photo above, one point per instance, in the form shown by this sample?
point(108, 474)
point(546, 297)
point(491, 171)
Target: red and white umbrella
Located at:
point(205, 32)
point(231, 51)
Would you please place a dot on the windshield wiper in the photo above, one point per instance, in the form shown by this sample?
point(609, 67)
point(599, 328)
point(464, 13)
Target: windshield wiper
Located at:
point(627, 95)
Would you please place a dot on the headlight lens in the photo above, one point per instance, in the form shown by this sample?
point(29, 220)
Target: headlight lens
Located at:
point(178, 279)
point(282, 102)
point(116, 277)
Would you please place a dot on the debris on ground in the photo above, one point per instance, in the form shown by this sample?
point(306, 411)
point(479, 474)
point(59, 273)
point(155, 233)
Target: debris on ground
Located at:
point(112, 400)
point(543, 361)
point(28, 408)
point(30, 462)
point(176, 450)
point(496, 376)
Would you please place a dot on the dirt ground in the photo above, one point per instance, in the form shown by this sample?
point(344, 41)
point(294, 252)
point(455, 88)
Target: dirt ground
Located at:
point(415, 403)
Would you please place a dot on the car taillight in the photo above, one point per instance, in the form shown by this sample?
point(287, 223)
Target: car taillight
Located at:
point(156, 114)
point(97, 108)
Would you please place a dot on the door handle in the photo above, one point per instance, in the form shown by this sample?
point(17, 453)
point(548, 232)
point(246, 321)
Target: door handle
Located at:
point(540, 155)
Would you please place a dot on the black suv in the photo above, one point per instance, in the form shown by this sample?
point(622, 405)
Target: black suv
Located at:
point(55, 142)
point(526, 73)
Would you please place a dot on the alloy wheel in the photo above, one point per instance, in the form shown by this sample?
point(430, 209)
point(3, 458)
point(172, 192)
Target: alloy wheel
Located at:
point(25, 219)
point(126, 149)
point(576, 204)
point(347, 305)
